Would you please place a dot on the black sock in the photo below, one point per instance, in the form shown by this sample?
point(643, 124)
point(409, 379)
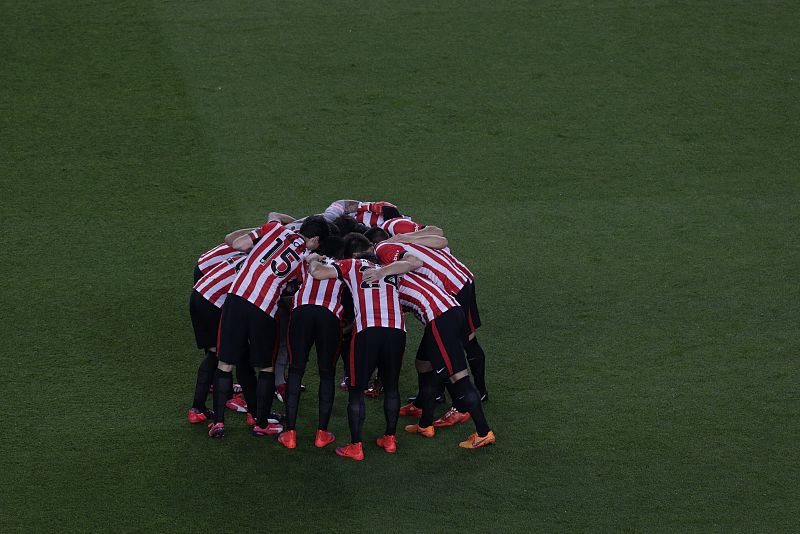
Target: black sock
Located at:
point(356, 413)
point(247, 379)
point(477, 364)
point(418, 399)
point(223, 390)
point(429, 389)
point(265, 391)
point(469, 398)
point(292, 397)
point(391, 410)
point(205, 377)
point(327, 389)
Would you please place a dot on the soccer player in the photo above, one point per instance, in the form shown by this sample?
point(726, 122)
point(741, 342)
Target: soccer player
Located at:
point(379, 339)
point(371, 214)
point(452, 275)
point(315, 320)
point(248, 330)
point(441, 354)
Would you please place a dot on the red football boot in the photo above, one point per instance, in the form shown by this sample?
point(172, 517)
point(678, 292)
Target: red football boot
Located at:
point(351, 450)
point(288, 439)
point(251, 421)
point(388, 443)
point(409, 410)
point(323, 438)
point(217, 430)
point(196, 416)
point(237, 403)
point(451, 417)
point(270, 430)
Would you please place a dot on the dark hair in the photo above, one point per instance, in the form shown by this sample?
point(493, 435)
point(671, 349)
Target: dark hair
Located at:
point(369, 256)
point(376, 235)
point(346, 224)
point(315, 226)
point(334, 247)
point(354, 244)
point(390, 212)
point(333, 229)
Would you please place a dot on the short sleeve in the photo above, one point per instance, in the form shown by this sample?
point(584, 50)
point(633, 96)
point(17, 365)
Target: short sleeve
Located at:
point(342, 266)
point(389, 252)
point(263, 229)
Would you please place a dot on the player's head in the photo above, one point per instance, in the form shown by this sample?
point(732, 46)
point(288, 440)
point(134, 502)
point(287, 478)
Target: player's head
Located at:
point(346, 224)
point(376, 235)
point(333, 230)
point(390, 212)
point(334, 247)
point(356, 244)
point(315, 231)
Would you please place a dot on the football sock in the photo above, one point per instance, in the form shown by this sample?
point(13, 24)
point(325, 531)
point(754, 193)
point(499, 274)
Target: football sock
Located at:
point(223, 390)
point(205, 376)
point(418, 399)
point(477, 364)
point(429, 389)
point(265, 391)
point(327, 389)
point(391, 409)
point(356, 413)
point(247, 379)
point(465, 393)
point(292, 397)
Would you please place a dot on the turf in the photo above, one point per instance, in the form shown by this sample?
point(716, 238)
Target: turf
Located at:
point(622, 177)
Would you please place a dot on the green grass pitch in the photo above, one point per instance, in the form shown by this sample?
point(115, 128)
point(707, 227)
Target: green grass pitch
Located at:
point(623, 178)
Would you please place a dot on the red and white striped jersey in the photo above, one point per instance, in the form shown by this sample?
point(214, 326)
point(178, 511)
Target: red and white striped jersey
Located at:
point(375, 304)
point(438, 265)
point(216, 283)
point(371, 213)
point(326, 293)
point(400, 225)
point(221, 252)
point(424, 298)
point(272, 262)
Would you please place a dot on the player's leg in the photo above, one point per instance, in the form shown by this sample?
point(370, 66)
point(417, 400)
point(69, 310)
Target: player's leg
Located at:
point(475, 355)
point(247, 379)
point(361, 364)
point(205, 322)
point(300, 337)
point(391, 359)
point(263, 337)
point(231, 349)
point(282, 357)
point(328, 342)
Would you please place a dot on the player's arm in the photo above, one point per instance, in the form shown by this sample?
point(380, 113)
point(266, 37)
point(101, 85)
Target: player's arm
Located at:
point(431, 241)
point(282, 218)
point(426, 231)
point(339, 208)
point(231, 237)
point(406, 265)
point(320, 271)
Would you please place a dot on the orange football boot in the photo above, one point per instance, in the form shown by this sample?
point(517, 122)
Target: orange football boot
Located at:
point(475, 441)
point(388, 443)
point(427, 431)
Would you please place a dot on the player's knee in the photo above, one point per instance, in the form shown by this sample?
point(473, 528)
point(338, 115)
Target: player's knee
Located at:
point(423, 366)
point(225, 367)
point(458, 376)
point(265, 369)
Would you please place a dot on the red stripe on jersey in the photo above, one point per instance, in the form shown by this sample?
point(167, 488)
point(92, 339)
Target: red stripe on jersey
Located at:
point(216, 283)
point(273, 261)
point(438, 265)
point(216, 255)
point(442, 349)
point(377, 303)
point(325, 293)
point(400, 225)
point(424, 298)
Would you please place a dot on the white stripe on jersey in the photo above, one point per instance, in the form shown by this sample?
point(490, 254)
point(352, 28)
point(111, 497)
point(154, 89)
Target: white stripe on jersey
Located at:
point(273, 261)
point(438, 265)
point(220, 253)
point(400, 225)
point(376, 304)
point(215, 284)
point(424, 298)
point(325, 293)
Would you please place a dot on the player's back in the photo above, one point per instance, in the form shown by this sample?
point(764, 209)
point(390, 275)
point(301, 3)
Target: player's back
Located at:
point(424, 298)
point(376, 303)
point(438, 265)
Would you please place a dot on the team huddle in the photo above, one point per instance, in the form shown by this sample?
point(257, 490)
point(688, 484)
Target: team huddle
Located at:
point(341, 282)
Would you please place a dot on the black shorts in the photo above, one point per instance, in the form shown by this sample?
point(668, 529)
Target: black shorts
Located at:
point(198, 274)
point(443, 343)
point(376, 347)
point(311, 325)
point(466, 297)
point(246, 334)
point(205, 320)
